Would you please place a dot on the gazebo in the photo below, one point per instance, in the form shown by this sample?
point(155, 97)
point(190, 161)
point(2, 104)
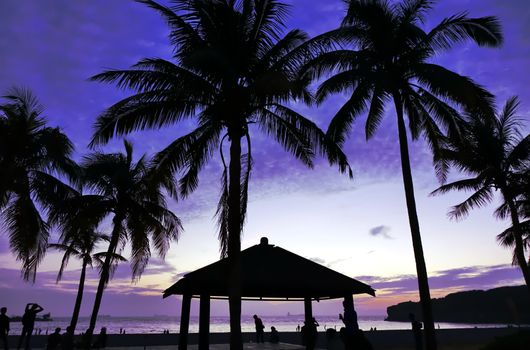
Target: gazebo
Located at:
point(268, 272)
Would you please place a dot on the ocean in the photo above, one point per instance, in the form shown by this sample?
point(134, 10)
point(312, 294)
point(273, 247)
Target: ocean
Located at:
point(157, 324)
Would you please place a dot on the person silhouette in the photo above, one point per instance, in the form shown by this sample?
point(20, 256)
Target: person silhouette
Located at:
point(349, 332)
point(28, 323)
point(416, 331)
point(4, 327)
point(101, 341)
point(350, 316)
point(67, 339)
point(259, 329)
point(54, 339)
point(310, 333)
point(275, 336)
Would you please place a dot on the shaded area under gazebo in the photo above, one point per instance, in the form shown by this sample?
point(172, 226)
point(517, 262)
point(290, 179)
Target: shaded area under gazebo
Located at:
point(268, 272)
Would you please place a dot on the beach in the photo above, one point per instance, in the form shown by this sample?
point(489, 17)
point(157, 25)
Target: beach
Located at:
point(220, 324)
point(454, 339)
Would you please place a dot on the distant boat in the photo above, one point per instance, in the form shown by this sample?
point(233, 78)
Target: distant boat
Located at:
point(44, 318)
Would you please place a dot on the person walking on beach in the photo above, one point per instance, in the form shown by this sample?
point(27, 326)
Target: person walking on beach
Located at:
point(259, 329)
point(4, 327)
point(416, 331)
point(28, 322)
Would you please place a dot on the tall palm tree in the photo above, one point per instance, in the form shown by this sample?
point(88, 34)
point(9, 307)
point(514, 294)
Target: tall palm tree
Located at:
point(497, 155)
point(31, 155)
point(385, 58)
point(127, 191)
point(232, 68)
point(82, 246)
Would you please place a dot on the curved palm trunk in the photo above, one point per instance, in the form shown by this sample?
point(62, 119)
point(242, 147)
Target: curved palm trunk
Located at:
point(519, 246)
point(79, 298)
point(421, 268)
point(234, 242)
point(104, 277)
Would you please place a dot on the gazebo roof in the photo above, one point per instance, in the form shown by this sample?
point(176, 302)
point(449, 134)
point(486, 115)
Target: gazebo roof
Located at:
point(270, 272)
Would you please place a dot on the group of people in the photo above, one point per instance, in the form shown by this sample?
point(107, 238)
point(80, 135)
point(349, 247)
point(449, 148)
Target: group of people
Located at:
point(56, 339)
point(351, 335)
point(260, 332)
point(28, 324)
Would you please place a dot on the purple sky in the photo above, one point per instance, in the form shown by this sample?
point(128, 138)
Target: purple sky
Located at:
point(356, 227)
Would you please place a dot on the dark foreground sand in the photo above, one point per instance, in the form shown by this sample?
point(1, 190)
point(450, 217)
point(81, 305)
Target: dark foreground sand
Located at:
point(448, 339)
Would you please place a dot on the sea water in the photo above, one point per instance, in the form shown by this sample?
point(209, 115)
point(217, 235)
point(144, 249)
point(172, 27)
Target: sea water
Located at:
point(220, 324)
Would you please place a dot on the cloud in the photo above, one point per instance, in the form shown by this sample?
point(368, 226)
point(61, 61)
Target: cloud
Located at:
point(381, 231)
point(464, 278)
point(318, 260)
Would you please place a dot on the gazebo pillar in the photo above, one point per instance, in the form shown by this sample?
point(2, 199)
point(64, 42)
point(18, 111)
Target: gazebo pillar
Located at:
point(308, 310)
point(204, 322)
point(349, 299)
point(184, 321)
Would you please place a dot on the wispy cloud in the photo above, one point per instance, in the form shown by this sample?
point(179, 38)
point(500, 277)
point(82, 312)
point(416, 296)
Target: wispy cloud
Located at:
point(381, 231)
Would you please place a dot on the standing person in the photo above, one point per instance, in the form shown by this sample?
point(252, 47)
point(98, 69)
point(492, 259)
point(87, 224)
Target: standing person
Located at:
point(259, 329)
point(54, 339)
point(28, 322)
point(4, 327)
point(350, 316)
point(310, 333)
point(351, 326)
point(416, 331)
point(67, 339)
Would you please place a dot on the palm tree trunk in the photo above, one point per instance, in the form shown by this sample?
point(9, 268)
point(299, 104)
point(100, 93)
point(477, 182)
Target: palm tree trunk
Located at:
point(104, 277)
point(421, 268)
point(234, 242)
point(79, 298)
point(519, 246)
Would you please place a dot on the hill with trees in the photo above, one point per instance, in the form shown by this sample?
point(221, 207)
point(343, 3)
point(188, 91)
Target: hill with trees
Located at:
point(498, 305)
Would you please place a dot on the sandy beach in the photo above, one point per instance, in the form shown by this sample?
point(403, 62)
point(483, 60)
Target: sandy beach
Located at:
point(454, 339)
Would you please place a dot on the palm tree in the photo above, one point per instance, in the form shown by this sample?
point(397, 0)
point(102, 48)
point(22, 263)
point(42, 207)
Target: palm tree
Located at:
point(82, 246)
point(389, 61)
point(127, 191)
point(233, 68)
point(31, 154)
point(496, 154)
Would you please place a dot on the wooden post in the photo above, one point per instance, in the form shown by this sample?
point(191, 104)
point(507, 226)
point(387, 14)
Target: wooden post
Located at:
point(308, 310)
point(308, 334)
point(349, 299)
point(204, 322)
point(184, 321)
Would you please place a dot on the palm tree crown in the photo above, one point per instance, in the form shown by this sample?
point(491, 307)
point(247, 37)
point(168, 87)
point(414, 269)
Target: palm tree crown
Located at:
point(127, 190)
point(497, 156)
point(390, 61)
point(31, 153)
point(232, 69)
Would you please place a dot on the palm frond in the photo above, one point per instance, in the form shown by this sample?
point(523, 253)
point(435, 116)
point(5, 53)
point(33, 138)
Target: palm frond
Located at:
point(485, 31)
point(343, 120)
point(455, 87)
point(478, 199)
